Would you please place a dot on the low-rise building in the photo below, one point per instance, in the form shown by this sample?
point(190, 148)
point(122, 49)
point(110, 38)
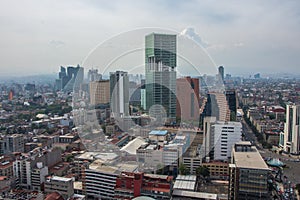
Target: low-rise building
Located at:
point(218, 170)
point(131, 185)
point(63, 186)
point(248, 173)
point(99, 180)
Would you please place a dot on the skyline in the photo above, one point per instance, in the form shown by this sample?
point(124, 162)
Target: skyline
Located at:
point(38, 38)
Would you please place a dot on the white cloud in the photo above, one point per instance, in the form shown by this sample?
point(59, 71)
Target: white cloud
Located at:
point(229, 30)
point(191, 34)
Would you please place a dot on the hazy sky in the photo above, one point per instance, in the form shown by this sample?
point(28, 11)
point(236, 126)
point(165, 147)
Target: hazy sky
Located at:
point(244, 36)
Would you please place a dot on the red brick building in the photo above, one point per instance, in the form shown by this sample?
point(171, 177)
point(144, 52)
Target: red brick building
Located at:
point(130, 185)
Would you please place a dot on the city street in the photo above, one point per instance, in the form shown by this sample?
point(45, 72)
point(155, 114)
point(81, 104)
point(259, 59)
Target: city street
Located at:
point(249, 135)
point(292, 169)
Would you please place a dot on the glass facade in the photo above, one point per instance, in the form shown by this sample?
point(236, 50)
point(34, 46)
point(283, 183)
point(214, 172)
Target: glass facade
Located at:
point(160, 63)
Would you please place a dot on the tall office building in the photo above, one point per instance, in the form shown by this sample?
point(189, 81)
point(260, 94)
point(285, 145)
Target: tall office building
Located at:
point(290, 139)
point(99, 92)
point(248, 173)
point(93, 75)
point(119, 93)
point(232, 103)
point(69, 78)
point(219, 137)
point(221, 72)
point(187, 91)
point(216, 106)
point(223, 136)
point(143, 94)
point(160, 64)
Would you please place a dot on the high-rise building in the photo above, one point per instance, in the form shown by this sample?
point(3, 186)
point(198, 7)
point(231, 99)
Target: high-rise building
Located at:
point(70, 78)
point(221, 72)
point(232, 103)
point(187, 91)
point(134, 93)
point(290, 139)
point(12, 143)
point(99, 92)
point(143, 94)
point(119, 93)
point(257, 76)
point(223, 136)
point(219, 137)
point(216, 106)
point(93, 75)
point(248, 173)
point(160, 64)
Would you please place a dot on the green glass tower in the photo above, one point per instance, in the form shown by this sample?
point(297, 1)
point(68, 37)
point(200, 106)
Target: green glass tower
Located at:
point(160, 64)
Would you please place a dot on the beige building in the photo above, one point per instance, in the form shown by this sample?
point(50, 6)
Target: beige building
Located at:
point(248, 173)
point(218, 170)
point(99, 92)
point(62, 185)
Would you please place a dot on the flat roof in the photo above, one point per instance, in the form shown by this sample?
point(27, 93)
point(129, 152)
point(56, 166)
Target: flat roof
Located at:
point(180, 137)
point(58, 178)
point(186, 177)
point(158, 132)
point(99, 165)
point(200, 195)
point(184, 185)
point(156, 176)
point(89, 155)
point(151, 147)
point(133, 145)
point(77, 185)
point(250, 159)
point(243, 143)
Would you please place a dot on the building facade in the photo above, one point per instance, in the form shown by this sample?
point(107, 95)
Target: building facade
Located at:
point(119, 93)
point(187, 91)
point(290, 139)
point(99, 92)
point(12, 143)
point(248, 174)
point(131, 185)
point(63, 186)
point(160, 64)
point(223, 136)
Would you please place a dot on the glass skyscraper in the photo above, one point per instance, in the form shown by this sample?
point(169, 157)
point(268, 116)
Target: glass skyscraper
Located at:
point(160, 64)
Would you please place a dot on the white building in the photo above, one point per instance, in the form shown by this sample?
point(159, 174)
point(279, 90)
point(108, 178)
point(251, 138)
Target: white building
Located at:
point(150, 156)
point(223, 136)
point(100, 179)
point(38, 176)
point(62, 185)
point(207, 143)
point(22, 171)
point(119, 93)
point(290, 142)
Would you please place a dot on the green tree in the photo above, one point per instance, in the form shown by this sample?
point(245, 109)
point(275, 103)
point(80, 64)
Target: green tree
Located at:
point(182, 169)
point(160, 169)
point(202, 171)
